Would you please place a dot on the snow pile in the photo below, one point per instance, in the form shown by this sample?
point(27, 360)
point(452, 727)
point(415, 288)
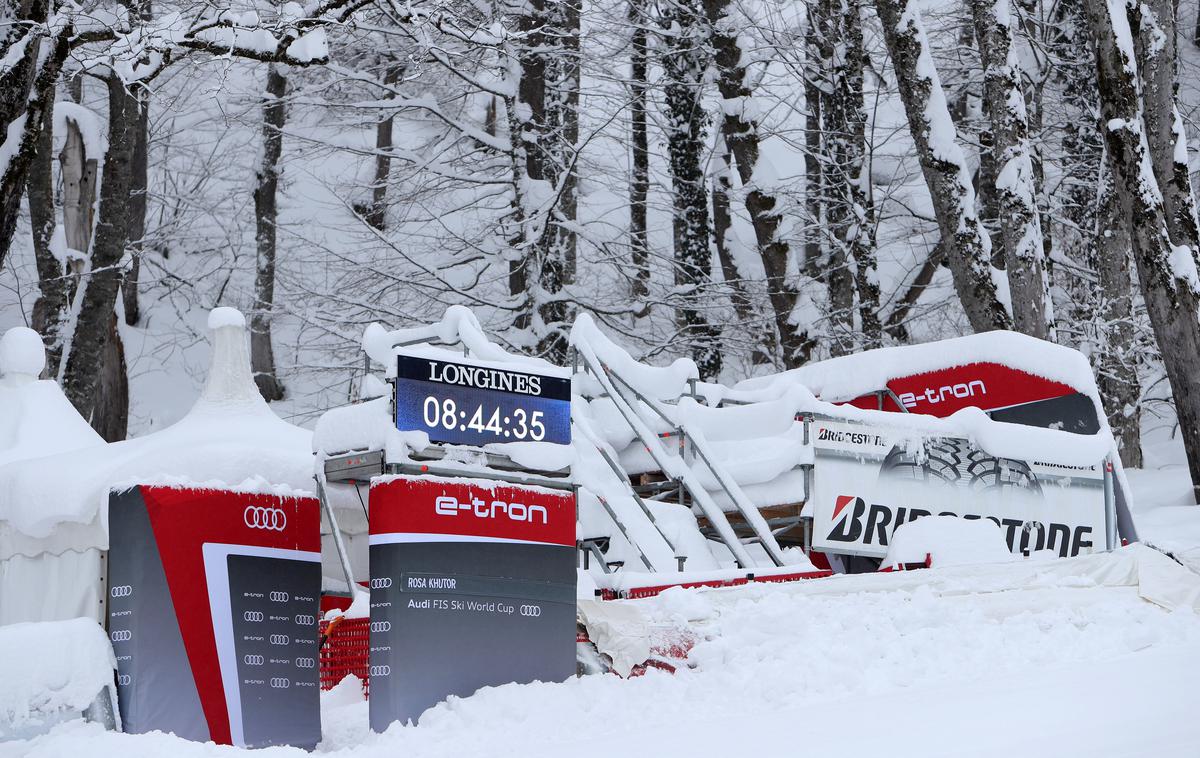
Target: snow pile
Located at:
point(1014, 659)
point(948, 541)
point(49, 668)
point(230, 440)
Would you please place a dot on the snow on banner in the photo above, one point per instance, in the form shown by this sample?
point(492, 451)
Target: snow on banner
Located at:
point(213, 599)
point(472, 585)
point(869, 480)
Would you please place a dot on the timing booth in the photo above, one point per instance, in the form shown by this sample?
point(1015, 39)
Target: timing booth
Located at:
point(472, 562)
point(210, 584)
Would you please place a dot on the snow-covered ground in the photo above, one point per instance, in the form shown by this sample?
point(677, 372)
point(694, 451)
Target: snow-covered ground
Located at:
point(924, 666)
point(1047, 658)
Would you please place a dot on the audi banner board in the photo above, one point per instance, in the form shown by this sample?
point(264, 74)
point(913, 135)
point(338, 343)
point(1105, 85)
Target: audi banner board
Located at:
point(472, 585)
point(212, 612)
point(473, 402)
point(868, 480)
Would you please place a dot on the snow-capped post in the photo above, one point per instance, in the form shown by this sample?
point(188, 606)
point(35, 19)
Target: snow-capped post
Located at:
point(22, 356)
point(1167, 270)
point(1016, 182)
point(968, 248)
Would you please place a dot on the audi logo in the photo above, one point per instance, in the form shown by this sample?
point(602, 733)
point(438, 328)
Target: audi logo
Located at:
point(279, 597)
point(254, 660)
point(381, 670)
point(121, 590)
point(253, 615)
point(305, 663)
point(124, 680)
point(280, 683)
point(257, 517)
point(380, 626)
point(280, 639)
point(306, 620)
point(532, 611)
point(121, 635)
point(381, 583)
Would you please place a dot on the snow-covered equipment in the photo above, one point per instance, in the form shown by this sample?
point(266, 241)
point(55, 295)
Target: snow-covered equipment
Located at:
point(54, 671)
point(471, 511)
point(211, 529)
point(829, 459)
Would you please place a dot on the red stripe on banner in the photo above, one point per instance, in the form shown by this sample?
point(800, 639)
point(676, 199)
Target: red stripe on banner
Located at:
point(983, 385)
point(430, 505)
point(183, 521)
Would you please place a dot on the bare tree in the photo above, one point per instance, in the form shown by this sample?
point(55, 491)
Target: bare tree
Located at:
point(639, 180)
point(266, 214)
point(740, 133)
point(1015, 181)
point(968, 249)
point(1166, 268)
point(684, 61)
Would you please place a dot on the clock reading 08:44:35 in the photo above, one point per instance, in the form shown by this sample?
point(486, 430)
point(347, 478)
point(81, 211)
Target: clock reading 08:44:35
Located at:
point(518, 424)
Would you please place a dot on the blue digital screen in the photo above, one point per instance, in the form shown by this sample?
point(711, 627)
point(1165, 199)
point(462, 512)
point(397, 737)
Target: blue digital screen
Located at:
point(468, 404)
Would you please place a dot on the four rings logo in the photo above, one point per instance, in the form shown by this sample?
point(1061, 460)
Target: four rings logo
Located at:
point(254, 660)
point(381, 583)
point(257, 517)
point(279, 597)
point(381, 670)
point(381, 626)
point(121, 635)
point(121, 590)
point(280, 683)
point(305, 620)
point(124, 680)
point(253, 615)
point(305, 663)
point(280, 639)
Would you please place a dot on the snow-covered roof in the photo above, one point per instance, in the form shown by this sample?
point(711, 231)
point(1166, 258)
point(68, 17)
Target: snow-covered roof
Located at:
point(229, 439)
point(850, 376)
point(36, 419)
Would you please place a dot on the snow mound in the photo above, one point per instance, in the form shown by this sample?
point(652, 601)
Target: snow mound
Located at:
point(49, 668)
point(22, 353)
point(948, 541)
point(230, 439)
point(222, 317)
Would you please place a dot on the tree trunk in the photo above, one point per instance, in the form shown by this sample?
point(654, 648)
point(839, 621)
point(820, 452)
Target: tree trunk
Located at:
point(860, 232)
point(740, 132)
point(1015, 182)
point(1155, 30)
point(1116, 368)
point(49, 308)
point(23, 118)
point(139, 108)
point(266, 212)
point(813, 181)
point(639, 182)
point(377, 213)
point(684, 60)
point(722, 222)
point(1168, 278)
point(942, 162)
point(84, 354)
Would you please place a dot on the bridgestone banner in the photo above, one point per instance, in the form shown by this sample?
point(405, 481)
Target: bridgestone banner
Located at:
point(472, 584)
point(212, 611)
point(869, 480)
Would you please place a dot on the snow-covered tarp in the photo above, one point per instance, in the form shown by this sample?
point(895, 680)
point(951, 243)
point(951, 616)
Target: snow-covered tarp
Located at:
point(49, 671)
point(229, 440)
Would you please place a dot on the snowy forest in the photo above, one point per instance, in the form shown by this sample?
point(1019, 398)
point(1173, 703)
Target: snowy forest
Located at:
point(753, 184)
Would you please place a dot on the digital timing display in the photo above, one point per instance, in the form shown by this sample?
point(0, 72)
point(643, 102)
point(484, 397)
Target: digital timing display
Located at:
point(469, 404)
